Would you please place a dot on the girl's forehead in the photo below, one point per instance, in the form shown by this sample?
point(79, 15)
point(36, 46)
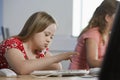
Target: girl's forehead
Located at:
point(51, 28)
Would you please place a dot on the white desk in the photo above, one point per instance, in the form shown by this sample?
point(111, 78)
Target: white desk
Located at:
point(30, 77)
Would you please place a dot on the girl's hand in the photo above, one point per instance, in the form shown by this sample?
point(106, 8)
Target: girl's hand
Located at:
point(68, 55)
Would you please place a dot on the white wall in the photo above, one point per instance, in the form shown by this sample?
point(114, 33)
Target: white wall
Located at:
point(16, 12)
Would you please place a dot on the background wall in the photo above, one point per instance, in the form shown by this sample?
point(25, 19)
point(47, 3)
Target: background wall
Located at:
point(16, 12)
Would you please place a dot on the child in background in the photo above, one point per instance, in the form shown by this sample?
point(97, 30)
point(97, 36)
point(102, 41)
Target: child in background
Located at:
point(92, 41)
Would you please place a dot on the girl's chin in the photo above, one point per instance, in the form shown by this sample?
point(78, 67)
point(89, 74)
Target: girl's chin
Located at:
point(43, 48)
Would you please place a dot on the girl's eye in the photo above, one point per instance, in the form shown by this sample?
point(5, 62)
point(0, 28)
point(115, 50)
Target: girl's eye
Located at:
point(51, 37)
point(46, 34)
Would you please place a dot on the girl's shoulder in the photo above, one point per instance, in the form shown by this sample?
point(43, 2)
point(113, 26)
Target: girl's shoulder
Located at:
point(92, 33)
point(12, 41)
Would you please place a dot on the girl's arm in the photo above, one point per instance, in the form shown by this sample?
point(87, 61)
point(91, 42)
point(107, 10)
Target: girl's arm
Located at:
point(18, 63)
point(54, 66)
point(92, 53)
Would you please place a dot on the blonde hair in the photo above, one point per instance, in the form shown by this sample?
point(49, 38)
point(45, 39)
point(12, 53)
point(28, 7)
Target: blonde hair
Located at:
point(37, 22)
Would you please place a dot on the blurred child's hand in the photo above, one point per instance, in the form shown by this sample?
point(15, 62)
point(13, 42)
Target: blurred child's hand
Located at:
point(68, 55)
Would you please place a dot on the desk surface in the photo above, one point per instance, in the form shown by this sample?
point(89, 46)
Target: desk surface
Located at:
point(30, 77)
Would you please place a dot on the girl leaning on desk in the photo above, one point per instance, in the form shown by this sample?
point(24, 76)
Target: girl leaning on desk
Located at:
point(29, 50)
point(92, 41)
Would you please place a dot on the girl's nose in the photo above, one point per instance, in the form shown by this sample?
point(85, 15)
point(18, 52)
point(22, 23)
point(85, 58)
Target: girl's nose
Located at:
point(48, 39)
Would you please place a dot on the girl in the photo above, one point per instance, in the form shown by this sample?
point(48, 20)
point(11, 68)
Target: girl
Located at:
point(92, 42)
point(29, 50)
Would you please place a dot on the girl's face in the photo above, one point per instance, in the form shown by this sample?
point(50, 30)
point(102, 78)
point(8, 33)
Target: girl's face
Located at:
point(42, 39)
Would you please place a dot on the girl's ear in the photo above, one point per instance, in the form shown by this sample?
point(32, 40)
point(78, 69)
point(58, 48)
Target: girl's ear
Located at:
point(107, 18)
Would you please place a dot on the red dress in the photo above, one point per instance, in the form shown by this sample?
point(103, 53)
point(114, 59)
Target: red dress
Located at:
point(14, 43)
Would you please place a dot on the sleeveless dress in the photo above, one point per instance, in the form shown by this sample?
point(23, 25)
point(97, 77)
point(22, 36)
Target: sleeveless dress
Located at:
point(18, 44)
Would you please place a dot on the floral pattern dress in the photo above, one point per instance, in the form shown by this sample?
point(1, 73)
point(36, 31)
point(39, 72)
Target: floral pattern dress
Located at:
point(14, 43)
